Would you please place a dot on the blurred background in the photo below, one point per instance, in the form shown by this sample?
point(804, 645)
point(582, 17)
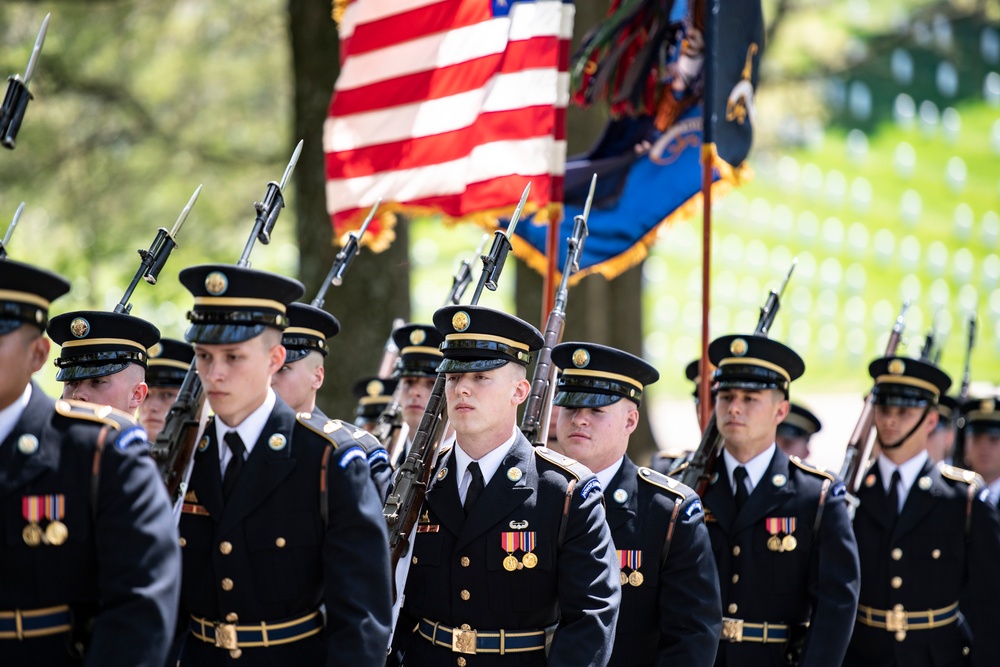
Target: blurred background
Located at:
point(875, 163)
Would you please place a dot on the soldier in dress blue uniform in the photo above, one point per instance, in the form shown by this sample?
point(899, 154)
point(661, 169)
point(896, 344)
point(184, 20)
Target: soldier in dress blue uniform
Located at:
point(374, 394)
point(415, 369)
point(306, 341)
point(780, 530)
point(941, 443)
point(103, 357)
point(512, 560)
point(168, 363)
point(671, 613)
point(89, 563)
point(794, 432)
point(982, 449)
point(284, 545)
point(929, 542)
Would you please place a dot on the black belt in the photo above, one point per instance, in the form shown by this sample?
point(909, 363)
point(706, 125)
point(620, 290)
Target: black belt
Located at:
point(232, 636)
point(469, 641)
point(27, 623)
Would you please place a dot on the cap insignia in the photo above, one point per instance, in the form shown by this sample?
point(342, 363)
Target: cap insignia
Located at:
point(374, 388)
point(216, 283)
point(155, 351)
point(79, 327)
point(739, 347)
point(581, 358)
point(418, 336)
point(39, 316)
point(276, 442)
point(460, 321)
point(897, 367)
point(988, 406)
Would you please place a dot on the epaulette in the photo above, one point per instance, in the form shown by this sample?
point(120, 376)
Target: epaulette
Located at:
point(961, 475)
point(667, 483)
point(672, 454)
point(337, 432)
point(572, 466)
point(101, 414)
point(678, 469)
point(812, 470)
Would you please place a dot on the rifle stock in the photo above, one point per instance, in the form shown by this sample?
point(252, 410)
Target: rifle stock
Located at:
point(538, 407)
point(859, 447)
point(698, 472)
point(402, 505)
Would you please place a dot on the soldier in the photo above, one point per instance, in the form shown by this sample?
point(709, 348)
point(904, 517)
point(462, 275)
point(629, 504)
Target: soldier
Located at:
point(512, 560)
point(786, 556)
point(982, 449)
point(169, 361)
point(941, 442)
point(280, 517)
point(103, 357)
point(926, 538)
point(416, 370)
point(671, 612)
point(306, 342)
point(794, 432)
point(91, 567)
point(374, 394)
point(666, 461)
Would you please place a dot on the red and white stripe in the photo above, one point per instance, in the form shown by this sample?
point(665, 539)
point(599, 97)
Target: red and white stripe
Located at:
point(441, 107)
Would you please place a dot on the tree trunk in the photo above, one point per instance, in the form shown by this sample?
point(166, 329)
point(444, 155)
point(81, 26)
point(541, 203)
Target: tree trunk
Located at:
point(599, 311)
point(367, 302)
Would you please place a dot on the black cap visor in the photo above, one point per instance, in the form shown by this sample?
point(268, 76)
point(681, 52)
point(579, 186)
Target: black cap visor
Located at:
point(86, 372)
point(471, 365)
point(223, 334)
point(584, 399)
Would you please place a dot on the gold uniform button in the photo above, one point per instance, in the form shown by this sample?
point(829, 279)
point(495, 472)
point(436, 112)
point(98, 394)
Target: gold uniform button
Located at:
point(227, 584)
point(235, 653)
point(896, 553)
point(460, 662)
point(280, 543)
point(465, 626)
point(936, 554)
point(736, 578)
point(414, 560)
point(183, 542)
point(232, 617)
point(225, 548)
point(732, 609)
point(965, 650)
point(896, 582)
point(465, 595)
point(465, 561)
point(736, 550)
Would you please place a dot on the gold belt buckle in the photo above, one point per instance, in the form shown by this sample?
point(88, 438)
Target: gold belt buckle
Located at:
point(732, 629)
point(463, 641)
point(225, 635)
point(895, 621)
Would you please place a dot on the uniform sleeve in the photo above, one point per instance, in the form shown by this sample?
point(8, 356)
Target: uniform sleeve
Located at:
point(355, 565)
point(589, 584)
point(982, 589)
point(378, 461)
point(690, 602)
point(834, 584)
point(139, 563)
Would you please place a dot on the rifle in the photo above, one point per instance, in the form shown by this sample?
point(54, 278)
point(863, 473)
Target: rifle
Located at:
point(175, 445)
point(859, 447)
point(389, 428)
point(698, 472)
point(538, 408)
point(15, 101)
point(958, 454)
point(931, 346)
point(152, 260)
point(10, 231)
point(268, 209)
point(463, 276)
point(343, 260)
point(402, 506)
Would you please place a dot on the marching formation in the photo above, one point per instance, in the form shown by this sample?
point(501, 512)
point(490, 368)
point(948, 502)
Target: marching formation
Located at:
point(235, 523)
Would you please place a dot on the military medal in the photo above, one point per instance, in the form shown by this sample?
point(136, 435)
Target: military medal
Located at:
point(55, 507)
point(527, 543)
point(781, 529)
point(635, 578)
point(510, 563)
point(56, 533)
point(624, 579)
point(774, 543)
point(31, 510)
point(788, 543)
point(773, 526)
point(630, 560)
point(32, 535)
point(509, 542)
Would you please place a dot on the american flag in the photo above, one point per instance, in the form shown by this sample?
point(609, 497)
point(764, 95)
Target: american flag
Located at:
point(448, 106)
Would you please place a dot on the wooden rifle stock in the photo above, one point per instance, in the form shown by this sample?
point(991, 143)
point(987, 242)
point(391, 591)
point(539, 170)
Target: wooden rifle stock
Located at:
point(174, 447)
point(859, 448)
point(698, 472)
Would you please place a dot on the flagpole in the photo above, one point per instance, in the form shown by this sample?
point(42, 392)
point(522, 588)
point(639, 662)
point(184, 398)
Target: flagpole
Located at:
point(552, 255)
point(707, 172)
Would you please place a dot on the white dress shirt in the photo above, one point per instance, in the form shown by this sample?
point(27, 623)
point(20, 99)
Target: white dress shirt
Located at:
point(488, 464)
point(13, 412)
point(908, 472)
point(756, 467)
point(249, 430)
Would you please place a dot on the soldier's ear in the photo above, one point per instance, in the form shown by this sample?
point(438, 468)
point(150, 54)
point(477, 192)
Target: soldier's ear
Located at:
point(138, 396)
point(38, 352)
point(318, 375)
point(276, 358)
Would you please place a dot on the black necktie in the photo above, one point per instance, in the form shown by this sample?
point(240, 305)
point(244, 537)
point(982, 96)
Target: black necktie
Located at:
point(740, 478)
point(475, 487)
point(235, 444)
point(893, 497)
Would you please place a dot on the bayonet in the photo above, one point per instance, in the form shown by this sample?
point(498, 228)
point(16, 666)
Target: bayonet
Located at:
point(10, 231)
point(269, 208)
point(16, 99)
point(343, 260)
point(493, 262)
